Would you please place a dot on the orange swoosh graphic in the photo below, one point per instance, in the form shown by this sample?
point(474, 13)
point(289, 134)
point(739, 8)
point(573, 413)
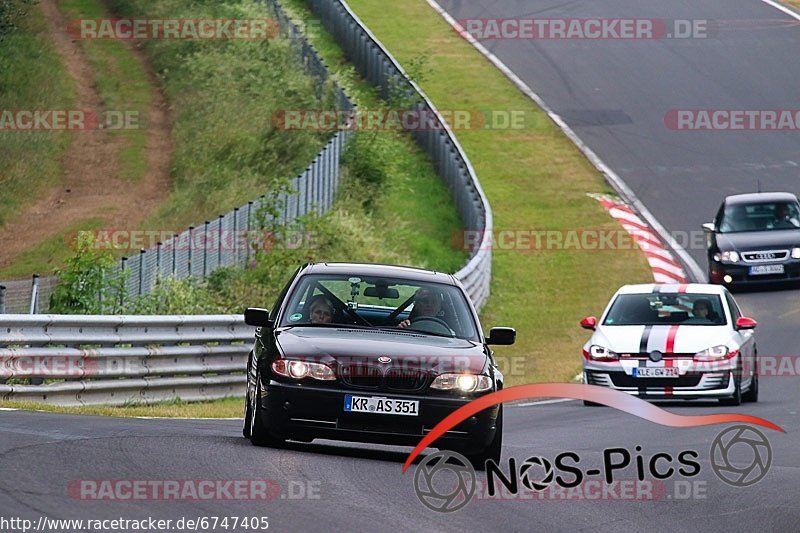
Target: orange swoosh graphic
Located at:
point(612, 398)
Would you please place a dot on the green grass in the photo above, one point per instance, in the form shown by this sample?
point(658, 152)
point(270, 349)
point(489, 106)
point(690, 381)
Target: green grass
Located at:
point(226, 408)
point(31, 77)
point(122, 84)
point(535, 178)
point(48, 254)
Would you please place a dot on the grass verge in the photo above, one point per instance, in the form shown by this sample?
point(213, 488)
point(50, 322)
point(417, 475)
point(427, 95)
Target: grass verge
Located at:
point(32, 76)
point(226, 408)
point(535, 179)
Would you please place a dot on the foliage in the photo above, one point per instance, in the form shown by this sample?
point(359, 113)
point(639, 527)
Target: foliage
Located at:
point(88, 284)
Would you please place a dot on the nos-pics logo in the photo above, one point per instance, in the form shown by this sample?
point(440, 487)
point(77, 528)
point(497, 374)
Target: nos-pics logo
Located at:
point(445, 481)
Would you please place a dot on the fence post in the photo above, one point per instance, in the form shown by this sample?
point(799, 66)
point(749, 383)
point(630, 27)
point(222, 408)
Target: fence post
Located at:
point(141, 271)
point(124, 291)
point(174, 255)
point(205, 249)
point(34, 295)
point(219, 242)
point(191, 249)
point(2, 299)
point(236, 241)
point(249, 236)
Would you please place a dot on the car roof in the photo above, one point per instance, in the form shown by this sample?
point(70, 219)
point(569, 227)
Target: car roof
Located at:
point(758, 197)
point(372, 270)
point(667, 288)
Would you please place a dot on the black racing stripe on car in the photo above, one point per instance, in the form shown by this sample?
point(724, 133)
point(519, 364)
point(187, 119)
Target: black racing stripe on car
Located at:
point(645, 338)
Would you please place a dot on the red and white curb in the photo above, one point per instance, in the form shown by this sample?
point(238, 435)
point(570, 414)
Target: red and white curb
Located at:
point(665, 267)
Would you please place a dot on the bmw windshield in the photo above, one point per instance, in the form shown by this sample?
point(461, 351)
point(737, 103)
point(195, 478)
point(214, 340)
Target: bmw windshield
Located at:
point(380, 302)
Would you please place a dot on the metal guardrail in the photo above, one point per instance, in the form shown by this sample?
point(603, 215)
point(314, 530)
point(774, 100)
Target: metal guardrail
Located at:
point(118, 360)
point(379, 67)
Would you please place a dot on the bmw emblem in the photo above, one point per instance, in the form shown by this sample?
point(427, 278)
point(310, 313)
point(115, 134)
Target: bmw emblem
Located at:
point(656, 356)
point(385, 360)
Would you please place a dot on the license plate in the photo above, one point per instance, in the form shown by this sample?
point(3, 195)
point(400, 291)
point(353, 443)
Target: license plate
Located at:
point(761, 270)
point(655, 372)
point(380, 405)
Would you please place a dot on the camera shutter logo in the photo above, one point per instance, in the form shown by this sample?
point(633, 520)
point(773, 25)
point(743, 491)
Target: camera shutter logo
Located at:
point(437, 497)
point(541, 462)
point(730, 445)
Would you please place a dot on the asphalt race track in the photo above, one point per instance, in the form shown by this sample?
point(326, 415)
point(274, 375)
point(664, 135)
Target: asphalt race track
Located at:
point(615, 95)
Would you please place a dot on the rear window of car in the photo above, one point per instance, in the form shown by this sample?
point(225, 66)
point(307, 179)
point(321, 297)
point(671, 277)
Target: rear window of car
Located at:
point(667, 309)
point(763, 216)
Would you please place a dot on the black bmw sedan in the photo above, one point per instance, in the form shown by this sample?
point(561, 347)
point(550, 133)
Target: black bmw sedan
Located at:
point(755, 238)
point(372, 353)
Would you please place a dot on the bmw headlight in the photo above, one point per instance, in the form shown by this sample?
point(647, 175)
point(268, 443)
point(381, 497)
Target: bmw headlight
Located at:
point(727, 257)
point(301, 370)
point(600, 353)
point(462, 382)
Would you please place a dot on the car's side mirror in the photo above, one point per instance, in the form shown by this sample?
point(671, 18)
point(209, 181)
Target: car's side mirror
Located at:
point(502, 336)
point(590, 322)
point(257, 317)
point(708, 227)
point(744, 322)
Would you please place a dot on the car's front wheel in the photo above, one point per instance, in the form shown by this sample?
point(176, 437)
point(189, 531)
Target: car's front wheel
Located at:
point(736, 398)
point(752, 393)
point(259, 434)
point(494, 450)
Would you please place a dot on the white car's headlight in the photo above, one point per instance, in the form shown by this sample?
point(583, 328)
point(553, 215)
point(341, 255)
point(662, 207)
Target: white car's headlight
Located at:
point(795, 253)
point(600, 353)
point(302, 370)
point(715, 353)
point(727, 257)
point(462, 382)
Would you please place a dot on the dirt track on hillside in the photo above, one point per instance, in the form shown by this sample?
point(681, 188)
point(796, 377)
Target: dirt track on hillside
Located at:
point(89, 186)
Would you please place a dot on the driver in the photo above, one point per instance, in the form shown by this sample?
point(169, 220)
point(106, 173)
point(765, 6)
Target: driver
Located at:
point(426, 303)
point(783, 218)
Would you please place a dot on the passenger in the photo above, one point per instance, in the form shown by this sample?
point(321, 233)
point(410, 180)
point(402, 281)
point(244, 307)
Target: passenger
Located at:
point(320, 310)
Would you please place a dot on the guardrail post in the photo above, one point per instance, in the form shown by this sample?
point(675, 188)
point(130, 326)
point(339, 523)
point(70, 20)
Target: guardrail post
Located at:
point(34, 308)
point(2, 299)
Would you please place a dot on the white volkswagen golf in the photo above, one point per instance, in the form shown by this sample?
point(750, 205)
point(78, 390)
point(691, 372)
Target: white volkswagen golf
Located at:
point(673, 342)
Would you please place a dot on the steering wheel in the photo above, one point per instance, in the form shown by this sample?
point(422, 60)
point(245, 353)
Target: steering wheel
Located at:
point(434, 320)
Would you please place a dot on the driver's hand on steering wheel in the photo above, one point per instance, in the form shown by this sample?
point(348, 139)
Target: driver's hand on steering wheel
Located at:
point(404, 324)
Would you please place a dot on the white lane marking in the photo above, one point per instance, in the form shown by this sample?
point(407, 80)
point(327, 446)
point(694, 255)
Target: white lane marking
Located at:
point(176, 418)
point(789, 11)
point(543, 402)
point(696, 273)
point(8, 409)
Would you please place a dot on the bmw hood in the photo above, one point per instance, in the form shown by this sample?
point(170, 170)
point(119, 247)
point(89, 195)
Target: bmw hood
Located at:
point(396, 348)
point(688, 339)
